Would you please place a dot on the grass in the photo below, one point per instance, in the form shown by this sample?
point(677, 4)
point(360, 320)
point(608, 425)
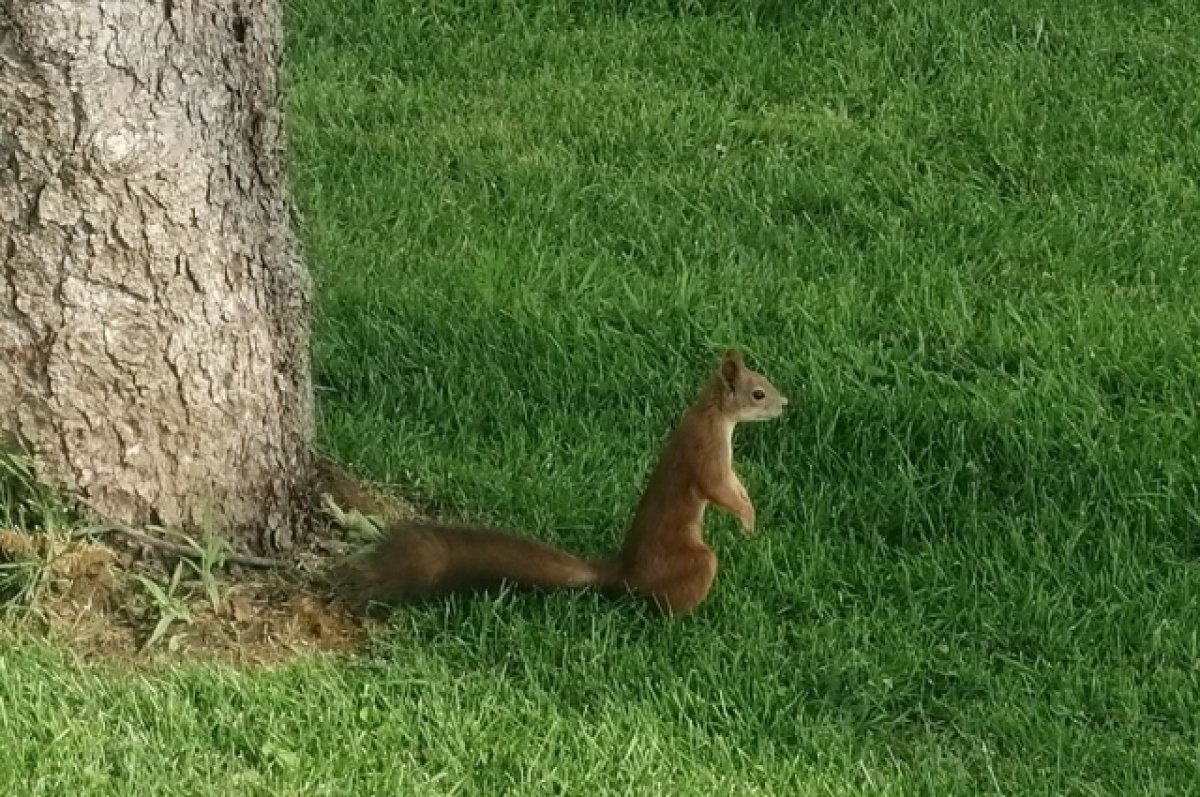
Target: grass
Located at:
point(960, 236)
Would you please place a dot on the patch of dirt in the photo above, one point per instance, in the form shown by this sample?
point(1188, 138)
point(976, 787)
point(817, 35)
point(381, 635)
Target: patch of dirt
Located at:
point(94, 599)
point(348, 490)
point(111, 597)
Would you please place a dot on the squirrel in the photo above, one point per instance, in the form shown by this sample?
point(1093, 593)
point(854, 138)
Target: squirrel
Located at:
point(664, 557)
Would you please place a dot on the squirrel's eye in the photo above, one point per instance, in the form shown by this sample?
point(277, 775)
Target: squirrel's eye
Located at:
point(759, 394)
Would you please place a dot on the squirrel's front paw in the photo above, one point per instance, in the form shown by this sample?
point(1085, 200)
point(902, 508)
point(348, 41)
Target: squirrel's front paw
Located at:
point(748, 521)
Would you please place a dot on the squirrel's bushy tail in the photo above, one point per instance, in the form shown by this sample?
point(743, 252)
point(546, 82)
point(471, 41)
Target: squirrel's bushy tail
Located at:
point(417, 559)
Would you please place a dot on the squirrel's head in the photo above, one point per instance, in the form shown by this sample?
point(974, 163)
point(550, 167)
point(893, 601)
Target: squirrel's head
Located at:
point(748, 396)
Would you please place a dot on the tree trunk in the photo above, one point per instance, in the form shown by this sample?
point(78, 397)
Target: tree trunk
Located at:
point(153, 310)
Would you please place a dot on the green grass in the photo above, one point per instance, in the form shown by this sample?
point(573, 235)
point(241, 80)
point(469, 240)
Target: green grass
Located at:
point(961, 237)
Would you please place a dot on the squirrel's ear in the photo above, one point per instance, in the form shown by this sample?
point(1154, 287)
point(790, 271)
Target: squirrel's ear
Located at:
point(731, 366)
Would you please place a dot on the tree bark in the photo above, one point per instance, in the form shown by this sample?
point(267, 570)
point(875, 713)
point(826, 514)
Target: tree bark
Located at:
point(153, 310)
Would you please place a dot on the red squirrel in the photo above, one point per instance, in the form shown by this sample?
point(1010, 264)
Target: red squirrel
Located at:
point(664, 557)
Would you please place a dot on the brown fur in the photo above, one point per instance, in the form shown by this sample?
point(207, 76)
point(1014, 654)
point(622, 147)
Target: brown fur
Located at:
point(664, 557)
point(424, 558)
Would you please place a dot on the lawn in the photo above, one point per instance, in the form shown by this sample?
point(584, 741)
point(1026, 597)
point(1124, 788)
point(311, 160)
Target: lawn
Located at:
point(962, 237)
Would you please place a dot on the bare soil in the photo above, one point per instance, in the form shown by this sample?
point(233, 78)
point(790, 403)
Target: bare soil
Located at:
point(90, 594)
point(91, 600)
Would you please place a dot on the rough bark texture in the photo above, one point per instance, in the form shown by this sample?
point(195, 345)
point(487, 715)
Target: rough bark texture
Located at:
point(153, 311)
